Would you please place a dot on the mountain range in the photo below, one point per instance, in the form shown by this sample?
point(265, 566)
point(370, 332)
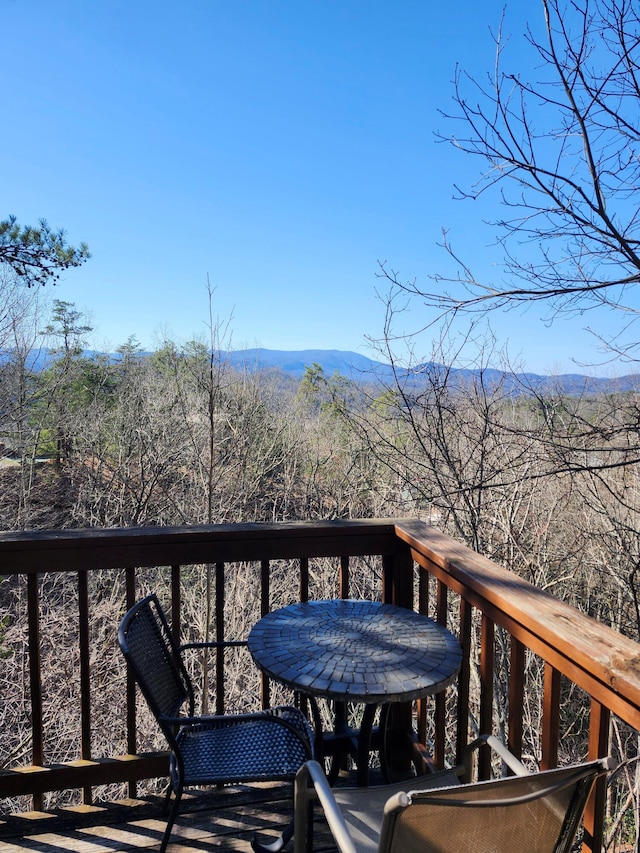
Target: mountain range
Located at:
point(361, 368)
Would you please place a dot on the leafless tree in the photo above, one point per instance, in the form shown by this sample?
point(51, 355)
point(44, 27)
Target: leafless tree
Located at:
point(559, 153)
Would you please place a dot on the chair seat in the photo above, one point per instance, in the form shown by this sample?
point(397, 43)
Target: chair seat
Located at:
point(247, 748)
point(363, 808)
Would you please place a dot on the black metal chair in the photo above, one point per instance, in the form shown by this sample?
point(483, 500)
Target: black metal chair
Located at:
point(269, 745)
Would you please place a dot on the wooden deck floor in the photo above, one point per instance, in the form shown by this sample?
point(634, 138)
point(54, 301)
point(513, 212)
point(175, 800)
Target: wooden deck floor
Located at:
point(225, 820)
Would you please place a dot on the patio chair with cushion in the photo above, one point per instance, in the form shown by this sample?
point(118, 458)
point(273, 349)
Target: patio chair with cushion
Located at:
point(264, 746)
point(537, 812)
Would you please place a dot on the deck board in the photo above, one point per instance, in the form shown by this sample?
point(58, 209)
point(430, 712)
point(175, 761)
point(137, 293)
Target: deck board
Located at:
point(225, 820)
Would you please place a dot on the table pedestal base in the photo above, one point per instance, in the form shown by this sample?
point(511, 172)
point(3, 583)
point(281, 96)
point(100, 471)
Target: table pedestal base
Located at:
point(347, 742)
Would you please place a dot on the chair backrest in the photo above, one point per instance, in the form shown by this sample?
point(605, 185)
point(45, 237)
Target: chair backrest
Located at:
point(148, 645)
point(539, 813)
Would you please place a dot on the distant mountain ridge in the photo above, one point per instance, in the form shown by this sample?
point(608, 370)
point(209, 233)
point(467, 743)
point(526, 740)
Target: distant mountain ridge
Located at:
point(350, 364)
point(361, 368)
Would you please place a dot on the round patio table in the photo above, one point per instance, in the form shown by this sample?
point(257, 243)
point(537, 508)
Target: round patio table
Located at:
point(363, 652)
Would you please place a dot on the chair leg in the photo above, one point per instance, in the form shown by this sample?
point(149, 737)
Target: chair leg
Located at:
point(310, 829)
point(275, 846)
point(171, 819)
point(167, 797)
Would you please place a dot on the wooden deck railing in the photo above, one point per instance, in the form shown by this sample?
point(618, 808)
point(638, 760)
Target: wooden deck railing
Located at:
point(420, 567)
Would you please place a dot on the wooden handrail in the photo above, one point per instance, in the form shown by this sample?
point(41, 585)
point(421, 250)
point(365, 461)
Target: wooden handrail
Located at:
point(72, 550)
point(592, 655)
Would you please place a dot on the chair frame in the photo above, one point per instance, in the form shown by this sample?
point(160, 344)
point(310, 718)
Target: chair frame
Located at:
point(312, 786)
point(271, 723)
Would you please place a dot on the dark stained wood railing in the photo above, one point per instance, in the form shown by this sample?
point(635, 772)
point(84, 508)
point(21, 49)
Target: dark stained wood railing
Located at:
point(421, 568)
point(592, 656)
point(84, 551)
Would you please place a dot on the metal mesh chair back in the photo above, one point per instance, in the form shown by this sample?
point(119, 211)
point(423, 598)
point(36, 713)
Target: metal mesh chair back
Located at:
point(540, 813)
point(148, 645)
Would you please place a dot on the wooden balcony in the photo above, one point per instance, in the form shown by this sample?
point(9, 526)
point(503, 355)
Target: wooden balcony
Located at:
point(519, 643)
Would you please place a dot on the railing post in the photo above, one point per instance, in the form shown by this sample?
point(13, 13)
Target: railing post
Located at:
point(301, 699)
point(599, 720)
point(397, 588)
point(397, 578)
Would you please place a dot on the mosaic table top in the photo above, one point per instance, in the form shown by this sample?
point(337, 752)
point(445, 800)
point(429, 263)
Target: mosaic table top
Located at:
point(355, 651)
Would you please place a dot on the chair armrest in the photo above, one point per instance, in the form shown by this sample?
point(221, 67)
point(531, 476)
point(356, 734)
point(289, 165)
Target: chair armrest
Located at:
point(312, 784)
point(516, 766)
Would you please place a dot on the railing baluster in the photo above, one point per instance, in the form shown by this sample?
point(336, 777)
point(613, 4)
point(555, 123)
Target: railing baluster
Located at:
point(388, 573)
point(423, 607)
point(265, 604)
point(35, 680)
point(176, 602)
point(516, 697)
point(423, 592)
point(440, 698)
point(464, 678)
point(85, 675)
point(550, 717)
point(300, 699)
point(304, 579)
point(343, 580)
point(422, 720)
point(220, 636)
point(442, 602)
point(487, 659)
point(132, 741)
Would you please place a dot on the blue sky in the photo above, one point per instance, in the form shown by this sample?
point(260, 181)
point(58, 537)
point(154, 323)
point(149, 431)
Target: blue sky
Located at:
point(281, 148)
